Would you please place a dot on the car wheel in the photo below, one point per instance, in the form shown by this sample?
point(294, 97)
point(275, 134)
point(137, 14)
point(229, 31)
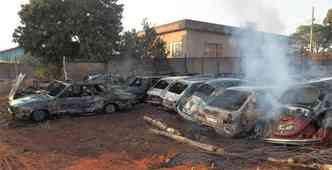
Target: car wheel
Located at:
point(39, 116)
point(110, 108)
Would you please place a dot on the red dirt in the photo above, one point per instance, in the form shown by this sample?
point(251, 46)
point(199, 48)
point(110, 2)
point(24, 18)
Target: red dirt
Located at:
point(120, 142)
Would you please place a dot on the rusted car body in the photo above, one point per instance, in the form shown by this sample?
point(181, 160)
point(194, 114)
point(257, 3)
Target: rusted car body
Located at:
point(69, 98)
point(232, 112)
point(306, 115)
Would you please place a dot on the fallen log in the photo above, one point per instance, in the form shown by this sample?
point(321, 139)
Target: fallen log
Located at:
point(162, 126)
point(215, 150)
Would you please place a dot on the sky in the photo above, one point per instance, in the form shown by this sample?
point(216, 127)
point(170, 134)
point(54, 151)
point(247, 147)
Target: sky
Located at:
point(276, 16)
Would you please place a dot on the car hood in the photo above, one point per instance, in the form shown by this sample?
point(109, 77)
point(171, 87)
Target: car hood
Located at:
point(29, 100)
point(122, 93)
point(16, 86)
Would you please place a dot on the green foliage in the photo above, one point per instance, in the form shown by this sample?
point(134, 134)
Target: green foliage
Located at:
point(130, 45)
point(322, 35)
point(153, 46)
point(328, 18)
point(40, 72)
point(87, 29)
point(145, 44)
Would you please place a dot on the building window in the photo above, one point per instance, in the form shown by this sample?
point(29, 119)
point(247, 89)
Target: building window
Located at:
point(176, 49)
point(214, 50)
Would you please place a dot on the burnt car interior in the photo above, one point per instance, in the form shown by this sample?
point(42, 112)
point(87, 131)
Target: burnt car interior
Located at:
point(231, 100)
point(82, 91)
point(178, 88)
point(163, 84)
point(308, 97)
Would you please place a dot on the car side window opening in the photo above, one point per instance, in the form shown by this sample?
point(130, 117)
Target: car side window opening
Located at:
point(161, 85)
point(55, 88)
point(263, 101)
point(136, 83)
point(69, 92)
point(229, 100)
point(86, 91)
point(178, 88)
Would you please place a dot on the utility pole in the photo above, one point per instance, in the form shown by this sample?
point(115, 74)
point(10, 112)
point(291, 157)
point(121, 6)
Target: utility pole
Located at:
point(312, 30)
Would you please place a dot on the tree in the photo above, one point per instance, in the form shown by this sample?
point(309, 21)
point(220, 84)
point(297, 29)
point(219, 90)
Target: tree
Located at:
point(328, 18)
point(76, 29)
point(146, 45)
point(322, 35)
point(130, 45)
point(153, 46)
point(321, 40)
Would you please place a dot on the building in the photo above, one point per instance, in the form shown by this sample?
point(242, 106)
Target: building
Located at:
point(11, 55)
point(196, 39)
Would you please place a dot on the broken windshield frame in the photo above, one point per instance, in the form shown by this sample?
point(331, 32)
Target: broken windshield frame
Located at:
point(231, 100)
point(55, 89)
point(303, 96)
point(178, 88)
point(163, 84)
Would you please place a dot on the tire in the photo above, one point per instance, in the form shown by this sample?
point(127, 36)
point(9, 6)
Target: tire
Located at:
point(39, 116)
point(110, 108)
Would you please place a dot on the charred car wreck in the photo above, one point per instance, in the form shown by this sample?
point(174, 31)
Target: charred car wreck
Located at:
point(305, 116)
point(232, 112)
point(69, 98)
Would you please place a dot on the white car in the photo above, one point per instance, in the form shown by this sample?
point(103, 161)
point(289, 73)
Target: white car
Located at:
point(178, 89)
point(157, 92)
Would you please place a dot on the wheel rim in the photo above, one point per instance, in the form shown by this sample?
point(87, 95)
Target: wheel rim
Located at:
point(110, 108)
point(39, 116)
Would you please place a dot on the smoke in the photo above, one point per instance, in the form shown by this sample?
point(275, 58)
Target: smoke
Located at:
point(264, 55)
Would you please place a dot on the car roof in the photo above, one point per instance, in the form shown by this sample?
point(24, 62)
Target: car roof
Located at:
point(192, 80)
point(220, 80)
point(174, 78)
point(252, 88)
point(149, 77)
point(82, 83)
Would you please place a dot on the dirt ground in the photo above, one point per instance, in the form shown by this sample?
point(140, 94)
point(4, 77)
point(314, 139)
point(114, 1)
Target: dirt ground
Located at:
point(113, 142)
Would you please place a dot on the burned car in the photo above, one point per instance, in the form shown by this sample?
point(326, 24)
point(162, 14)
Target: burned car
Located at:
point(157, 92)
point(178, 89)
point(104, 78)
point(69, 98)
point(232, 112)
point(139, 86)
point(305, 116)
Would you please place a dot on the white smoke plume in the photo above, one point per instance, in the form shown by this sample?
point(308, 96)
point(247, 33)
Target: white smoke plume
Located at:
point(264, 55)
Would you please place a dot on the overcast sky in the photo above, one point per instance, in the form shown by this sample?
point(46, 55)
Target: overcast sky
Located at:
point(277, 16)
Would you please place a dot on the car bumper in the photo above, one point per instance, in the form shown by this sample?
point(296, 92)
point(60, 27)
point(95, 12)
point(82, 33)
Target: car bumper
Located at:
point(154, 100)
point(16, 114)
point(169, 105)
point(292, 141)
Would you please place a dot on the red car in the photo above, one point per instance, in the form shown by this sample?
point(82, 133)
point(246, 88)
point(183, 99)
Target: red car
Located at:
point(306, 115)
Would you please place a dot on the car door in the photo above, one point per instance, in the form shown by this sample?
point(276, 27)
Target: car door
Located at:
point(74, 100)
point(67, 102)
point(90, 98)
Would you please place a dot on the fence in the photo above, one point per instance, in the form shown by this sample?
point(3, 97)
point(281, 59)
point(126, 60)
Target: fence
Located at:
point(129, 67)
